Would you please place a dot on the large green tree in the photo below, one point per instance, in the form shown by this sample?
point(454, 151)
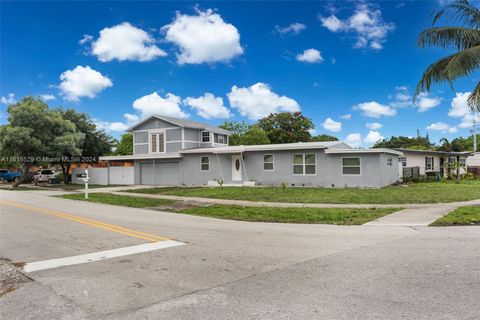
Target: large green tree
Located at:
point(125, 145)
point(95, 142)
point(254, 135)
point(237, 128)
point(419, 143)
point(463, 38)
point(323, 137)
point(34, 133)
point(286, 127)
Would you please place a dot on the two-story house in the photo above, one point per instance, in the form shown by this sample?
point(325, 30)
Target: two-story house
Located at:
point(170, 151)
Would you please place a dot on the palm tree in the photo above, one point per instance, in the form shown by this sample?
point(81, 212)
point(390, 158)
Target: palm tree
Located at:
point(446, 145)
point(466, 42)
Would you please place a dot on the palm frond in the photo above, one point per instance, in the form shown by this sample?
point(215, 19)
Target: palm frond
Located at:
point(446, 37)
point(474, 99)
point(461, 11)
point(462, 63)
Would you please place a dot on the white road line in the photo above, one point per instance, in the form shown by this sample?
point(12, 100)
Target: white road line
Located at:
point(102, 255)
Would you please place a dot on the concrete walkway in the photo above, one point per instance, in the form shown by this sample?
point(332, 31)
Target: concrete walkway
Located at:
point(412, 217)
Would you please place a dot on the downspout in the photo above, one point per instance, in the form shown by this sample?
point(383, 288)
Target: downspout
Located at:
point(153, 161)
point(243, 165)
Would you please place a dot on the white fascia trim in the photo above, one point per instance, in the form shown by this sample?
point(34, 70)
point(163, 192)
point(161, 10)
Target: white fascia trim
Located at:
point(360, 151)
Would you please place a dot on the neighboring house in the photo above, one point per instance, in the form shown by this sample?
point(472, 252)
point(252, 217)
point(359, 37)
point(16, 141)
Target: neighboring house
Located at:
point(473, 163)
point(432, 162)
point(169, 151)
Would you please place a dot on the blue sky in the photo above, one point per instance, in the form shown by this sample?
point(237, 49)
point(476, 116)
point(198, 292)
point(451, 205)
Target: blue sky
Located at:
point(350, 66)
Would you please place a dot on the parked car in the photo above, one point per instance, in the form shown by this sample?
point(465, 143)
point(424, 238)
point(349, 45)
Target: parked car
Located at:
point(44, 175)
point(8, 176)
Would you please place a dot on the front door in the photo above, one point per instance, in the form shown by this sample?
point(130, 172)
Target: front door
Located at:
point(236, 168)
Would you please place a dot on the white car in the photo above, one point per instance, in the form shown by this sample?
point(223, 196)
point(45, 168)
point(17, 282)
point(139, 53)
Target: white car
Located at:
point(44, 175)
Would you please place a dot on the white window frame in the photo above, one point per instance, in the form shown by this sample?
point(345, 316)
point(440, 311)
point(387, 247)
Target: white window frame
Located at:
point(273, 162)
point(403, 161)
point(304, 164)
point(462, 162)
point(223, 138)
point(209, 137)
point(359, 166)
point(157, 133)
point(432, 166)
point(201, 163)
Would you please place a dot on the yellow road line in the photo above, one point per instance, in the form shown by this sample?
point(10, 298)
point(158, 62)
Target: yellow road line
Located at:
point(90, 222)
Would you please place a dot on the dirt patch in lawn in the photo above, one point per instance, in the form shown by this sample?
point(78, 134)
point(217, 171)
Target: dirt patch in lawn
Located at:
point(10, 277)
point(178, 206)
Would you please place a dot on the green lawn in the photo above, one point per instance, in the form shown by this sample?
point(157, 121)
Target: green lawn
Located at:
point(291, 215)
point(261, 214)
point(134, 202)
point(460, 217)
point(409, 193)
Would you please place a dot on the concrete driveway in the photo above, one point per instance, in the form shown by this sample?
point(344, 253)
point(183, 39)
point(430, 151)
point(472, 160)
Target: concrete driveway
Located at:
point(229, 269)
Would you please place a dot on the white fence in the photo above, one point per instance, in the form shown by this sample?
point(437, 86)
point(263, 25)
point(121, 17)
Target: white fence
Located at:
point(105, 176)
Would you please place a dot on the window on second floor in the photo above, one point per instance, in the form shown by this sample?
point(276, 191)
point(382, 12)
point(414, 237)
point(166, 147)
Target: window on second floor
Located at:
point(205, 136)
point(157, 143)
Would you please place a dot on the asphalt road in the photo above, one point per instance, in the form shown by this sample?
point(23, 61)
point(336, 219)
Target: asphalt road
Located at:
point(229, 269)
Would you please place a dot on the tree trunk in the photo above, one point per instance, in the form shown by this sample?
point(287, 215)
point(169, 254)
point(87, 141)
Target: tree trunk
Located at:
point(25, 175)
point(65, 170)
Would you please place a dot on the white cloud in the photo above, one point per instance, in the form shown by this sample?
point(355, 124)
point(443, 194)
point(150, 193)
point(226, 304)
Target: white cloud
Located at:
point(332, 125)
point(208, 106)
point(310, 56)
point(155, 104)
point(86, 38)
point(372, 137)
point(441, 126)
point(204, 37)
point(459, 106)
point(9, 99)
point(294, 28)
point(366, 23)
point(347, 116)
point(467, 121)
point(375, 110)
point(402, 98)
point(459, 109)
point(125, 42)
point(354, 140)
point(47, 97)
point(374, 125)
point(425, 103)
point(82, 82)
point(131, 118)
point(117, 126)
point(259, 100)
point(332, 23)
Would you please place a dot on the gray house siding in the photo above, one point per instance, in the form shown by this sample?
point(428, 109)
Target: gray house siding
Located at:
point(220, 168)
point(174, 146)
point(154, 124)
point(374, 171)
point(174, 134)
point(140, 149)
point(192, 134)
